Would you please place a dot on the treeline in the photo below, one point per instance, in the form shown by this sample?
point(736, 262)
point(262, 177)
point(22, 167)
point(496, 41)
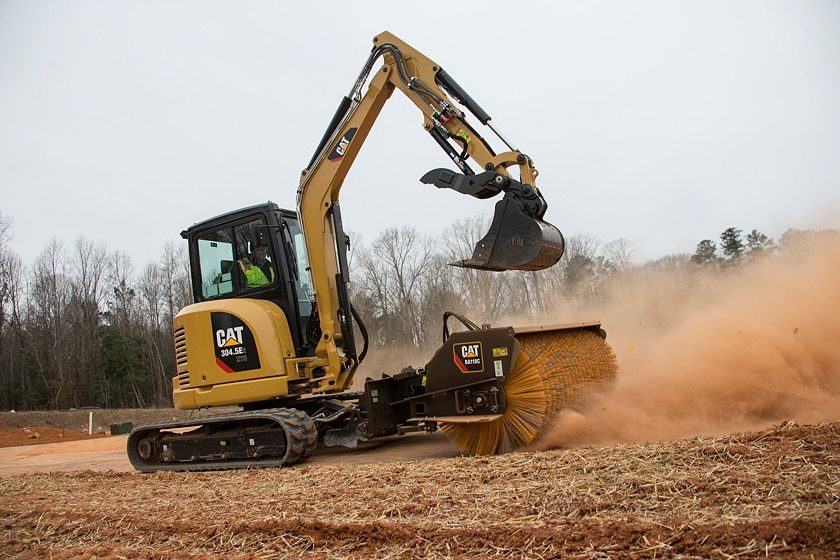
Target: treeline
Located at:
point(402, 282)
point(735, 247)
point(83, 327)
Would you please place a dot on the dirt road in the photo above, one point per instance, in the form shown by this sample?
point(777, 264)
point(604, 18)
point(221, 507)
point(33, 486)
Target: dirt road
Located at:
point(108, 454)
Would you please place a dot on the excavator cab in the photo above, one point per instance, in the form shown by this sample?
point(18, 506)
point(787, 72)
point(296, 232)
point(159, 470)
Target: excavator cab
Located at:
point(258, 253)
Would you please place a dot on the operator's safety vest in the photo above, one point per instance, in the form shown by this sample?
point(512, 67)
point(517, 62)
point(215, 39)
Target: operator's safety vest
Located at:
point(254, 276)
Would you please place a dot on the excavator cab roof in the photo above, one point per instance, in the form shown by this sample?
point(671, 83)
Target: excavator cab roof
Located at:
point(232, 216)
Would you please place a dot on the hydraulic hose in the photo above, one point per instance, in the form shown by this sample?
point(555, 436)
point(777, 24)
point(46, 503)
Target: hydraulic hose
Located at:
point(363, 330)
point(466, 322)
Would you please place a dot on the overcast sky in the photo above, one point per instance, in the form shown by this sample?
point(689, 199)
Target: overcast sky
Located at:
point(661, 122)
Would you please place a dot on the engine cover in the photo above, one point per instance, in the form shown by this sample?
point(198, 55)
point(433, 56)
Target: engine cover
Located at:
point(230, 351)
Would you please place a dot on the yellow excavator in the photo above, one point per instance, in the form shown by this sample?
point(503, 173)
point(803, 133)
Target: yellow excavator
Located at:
point(273, 330)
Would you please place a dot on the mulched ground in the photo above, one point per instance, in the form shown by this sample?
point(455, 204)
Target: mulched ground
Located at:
point(772, 494)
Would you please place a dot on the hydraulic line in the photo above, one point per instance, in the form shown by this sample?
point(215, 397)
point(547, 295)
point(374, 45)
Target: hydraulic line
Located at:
point(363, 330)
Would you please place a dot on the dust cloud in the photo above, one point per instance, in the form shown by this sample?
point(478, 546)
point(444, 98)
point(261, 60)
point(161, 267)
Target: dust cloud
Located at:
point(709, 352)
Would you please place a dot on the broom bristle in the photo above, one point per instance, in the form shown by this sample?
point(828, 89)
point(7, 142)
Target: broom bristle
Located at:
point(554, 371)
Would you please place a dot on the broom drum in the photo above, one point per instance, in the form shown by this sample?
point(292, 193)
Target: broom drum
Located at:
point(557, 368)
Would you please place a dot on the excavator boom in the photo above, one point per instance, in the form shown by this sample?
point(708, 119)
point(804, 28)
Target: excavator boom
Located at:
point(519, 237)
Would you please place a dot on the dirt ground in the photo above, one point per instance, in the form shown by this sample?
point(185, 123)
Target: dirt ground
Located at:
point(77, 419)
point(108, 454)
point(38, 435)
point(774, 493)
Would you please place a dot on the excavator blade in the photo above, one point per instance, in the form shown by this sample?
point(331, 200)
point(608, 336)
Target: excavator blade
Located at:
point(557, 367)
point(516, 241)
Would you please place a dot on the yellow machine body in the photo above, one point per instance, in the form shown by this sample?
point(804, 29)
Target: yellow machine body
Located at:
point(205, 380)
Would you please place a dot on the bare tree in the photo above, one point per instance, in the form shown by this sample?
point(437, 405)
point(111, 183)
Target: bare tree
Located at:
point(175, 277)
point(405, 256)
point(48, 333)
point(438, 294)
point(388, 278)
point(7, 267)
point(83, 327)
point(87, 269)
point(123, 349)
point(15, 384)
point(582, 244)
point(579, 268)
point(372, 296)
point(619, 252)
point(482, 294)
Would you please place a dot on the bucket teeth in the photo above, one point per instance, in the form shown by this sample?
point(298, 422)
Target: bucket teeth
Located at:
point(555, 370)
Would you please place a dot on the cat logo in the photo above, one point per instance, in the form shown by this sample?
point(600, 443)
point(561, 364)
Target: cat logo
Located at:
point(229, 337)
point(341, 148)
point(467, 356)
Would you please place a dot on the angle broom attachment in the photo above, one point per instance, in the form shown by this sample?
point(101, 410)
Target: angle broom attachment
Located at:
point(555, 370)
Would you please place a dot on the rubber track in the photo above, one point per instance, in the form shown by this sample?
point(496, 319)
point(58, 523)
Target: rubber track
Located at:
point(300, 430)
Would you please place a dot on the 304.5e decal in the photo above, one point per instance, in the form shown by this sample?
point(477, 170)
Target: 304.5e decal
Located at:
point(236, 349)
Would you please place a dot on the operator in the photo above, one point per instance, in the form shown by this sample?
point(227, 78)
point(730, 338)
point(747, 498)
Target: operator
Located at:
point(258, 270)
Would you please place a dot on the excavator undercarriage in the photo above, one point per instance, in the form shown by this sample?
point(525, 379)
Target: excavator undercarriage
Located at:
point(463, 389)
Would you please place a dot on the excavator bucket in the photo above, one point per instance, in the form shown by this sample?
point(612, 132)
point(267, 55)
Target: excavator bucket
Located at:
point(516, 241)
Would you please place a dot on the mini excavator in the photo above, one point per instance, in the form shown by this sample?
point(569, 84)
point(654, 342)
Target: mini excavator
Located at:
point(273, 330)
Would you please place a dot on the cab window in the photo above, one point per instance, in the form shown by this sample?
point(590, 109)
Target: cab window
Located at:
point(230, 262)
point(303, 284)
